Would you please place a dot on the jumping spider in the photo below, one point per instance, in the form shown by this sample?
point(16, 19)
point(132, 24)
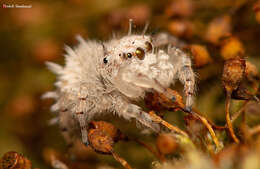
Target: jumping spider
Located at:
point(105, 77)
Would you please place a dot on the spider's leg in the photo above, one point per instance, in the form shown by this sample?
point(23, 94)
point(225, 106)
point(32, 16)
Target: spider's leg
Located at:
point(83, 127)
point(187, 77)
point(131, 111)
point(81, 116)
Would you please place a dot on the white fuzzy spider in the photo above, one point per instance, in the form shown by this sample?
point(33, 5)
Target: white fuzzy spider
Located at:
point(105, 77)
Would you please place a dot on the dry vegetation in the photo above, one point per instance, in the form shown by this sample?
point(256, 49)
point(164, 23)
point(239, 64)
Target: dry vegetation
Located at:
point(223, 130)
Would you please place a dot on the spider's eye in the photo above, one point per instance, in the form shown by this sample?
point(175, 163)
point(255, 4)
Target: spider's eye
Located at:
point(140, 53)
point(148, 46)
point(105, 60)
point(129, 55)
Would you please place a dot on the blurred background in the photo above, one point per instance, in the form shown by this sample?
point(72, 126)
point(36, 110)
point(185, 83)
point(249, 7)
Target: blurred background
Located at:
point(213, 30)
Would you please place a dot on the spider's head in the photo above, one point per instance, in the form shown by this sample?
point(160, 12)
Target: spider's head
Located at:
point(125, 51)
point(129, 63)
point(124, 59)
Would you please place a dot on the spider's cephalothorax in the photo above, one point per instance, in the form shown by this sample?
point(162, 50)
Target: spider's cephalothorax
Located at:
point(105, 77)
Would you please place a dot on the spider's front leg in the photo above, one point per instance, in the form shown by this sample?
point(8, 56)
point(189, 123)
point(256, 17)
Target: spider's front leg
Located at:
point(187, 77)
point(131, 111)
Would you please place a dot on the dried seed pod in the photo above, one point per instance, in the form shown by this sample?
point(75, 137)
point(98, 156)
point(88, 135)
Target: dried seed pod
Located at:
point(200, 55)
point(233, 73)
point(166, 143)
point(100, 141)
point(160, 103)
point(153, 102)
point(13, 160)
point(232, 47)
point(172, 104)
point(180, 28)
point(218, 28)
point(103, 135)
point(109, 128)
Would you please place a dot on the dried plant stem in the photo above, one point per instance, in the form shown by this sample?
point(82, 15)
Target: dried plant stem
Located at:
point(232, 119)
point(156, 154)
point(213, 126)
point(166, 124)
point(121, 160)
point(209, 127)
point(228, 121)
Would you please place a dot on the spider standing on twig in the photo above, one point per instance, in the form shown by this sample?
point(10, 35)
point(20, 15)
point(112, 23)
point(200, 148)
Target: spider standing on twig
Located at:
point(106, 77)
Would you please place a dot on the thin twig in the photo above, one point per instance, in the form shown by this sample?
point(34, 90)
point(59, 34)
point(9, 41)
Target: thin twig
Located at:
point(214, 126)
point(121, 160)
point(156, 154)
point(166, 124)
point(232, 119)
point(209, 127)
point(228, 121)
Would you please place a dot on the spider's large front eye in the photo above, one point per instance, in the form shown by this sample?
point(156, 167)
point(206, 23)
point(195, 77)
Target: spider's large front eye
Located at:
point(105, 60)
point(140, 53)
point(148, 46)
